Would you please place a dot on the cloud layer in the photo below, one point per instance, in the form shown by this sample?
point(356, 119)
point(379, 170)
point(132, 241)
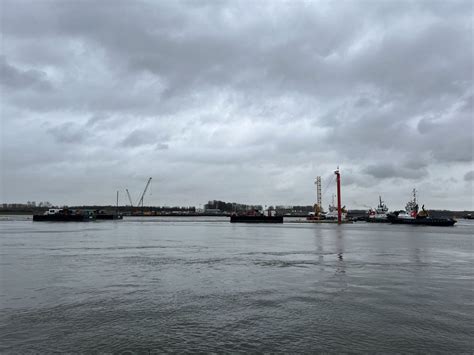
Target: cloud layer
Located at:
point(237, 100)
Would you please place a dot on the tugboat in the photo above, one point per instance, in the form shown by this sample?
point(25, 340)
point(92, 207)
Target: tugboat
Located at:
point(379, 214)
point(255, 217)
point(412, 216)
point(64, 215)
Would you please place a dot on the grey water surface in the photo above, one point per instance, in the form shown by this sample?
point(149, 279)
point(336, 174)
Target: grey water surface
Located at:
point(151, 285)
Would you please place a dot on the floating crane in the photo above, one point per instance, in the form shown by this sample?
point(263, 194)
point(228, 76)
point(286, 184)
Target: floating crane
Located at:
point(140, 202)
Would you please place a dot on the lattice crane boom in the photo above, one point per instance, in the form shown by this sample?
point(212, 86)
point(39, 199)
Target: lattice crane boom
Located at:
point(129, 198)
point(140, 202)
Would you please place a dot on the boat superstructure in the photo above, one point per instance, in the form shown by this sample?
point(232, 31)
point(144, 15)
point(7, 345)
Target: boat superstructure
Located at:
point(332, 212)
point(378, 214)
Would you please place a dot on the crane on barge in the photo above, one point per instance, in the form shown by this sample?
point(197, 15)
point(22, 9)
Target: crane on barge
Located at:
point(140, 202)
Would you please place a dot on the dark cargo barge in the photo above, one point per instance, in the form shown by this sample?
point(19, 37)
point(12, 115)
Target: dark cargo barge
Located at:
point(64, 215)
point(108, 216)
point(426, 221)
point(256, 219)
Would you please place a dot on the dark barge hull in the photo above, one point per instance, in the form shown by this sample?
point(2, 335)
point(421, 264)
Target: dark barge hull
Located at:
point(108, 216)
point(256, 219)
point(437, 222)
point(379, 220)
point(62, 218)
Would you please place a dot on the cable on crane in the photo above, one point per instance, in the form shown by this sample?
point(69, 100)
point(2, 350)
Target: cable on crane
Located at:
point(327, 185)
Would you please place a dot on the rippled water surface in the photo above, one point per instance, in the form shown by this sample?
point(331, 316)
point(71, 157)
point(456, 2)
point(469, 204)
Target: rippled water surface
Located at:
point(154, 285)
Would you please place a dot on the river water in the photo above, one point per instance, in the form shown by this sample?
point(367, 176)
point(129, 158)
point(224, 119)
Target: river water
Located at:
point(150, 285)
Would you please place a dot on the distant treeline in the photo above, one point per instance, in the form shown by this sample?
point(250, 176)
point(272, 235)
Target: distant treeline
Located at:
point(230, 207)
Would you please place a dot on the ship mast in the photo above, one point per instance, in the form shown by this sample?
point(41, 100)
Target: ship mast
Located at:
point(116, 209)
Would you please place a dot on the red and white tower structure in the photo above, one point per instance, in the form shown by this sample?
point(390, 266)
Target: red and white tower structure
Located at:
point(339, 208)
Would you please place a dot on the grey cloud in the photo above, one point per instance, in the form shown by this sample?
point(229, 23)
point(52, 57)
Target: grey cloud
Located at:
point(415, 163)
point(15, 78)
point(450, 138)
point(188, 54)
point(469, 176)
point(97, 119)
point(467, 105)
point(138, 138)
point(389, 171)
point(68, 132)
point(363, 102)
point(425, 126)
point(164, 45)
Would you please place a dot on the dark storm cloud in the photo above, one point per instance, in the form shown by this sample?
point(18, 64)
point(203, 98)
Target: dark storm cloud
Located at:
point(217, 48)
point(281, 92)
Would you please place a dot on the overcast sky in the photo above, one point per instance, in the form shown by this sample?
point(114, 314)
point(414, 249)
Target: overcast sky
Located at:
point(244, 101)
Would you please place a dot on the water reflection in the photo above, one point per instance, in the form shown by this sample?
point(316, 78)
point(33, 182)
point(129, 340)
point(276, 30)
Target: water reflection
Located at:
point(330, 242)
point(340, 265)
point(320, 248)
